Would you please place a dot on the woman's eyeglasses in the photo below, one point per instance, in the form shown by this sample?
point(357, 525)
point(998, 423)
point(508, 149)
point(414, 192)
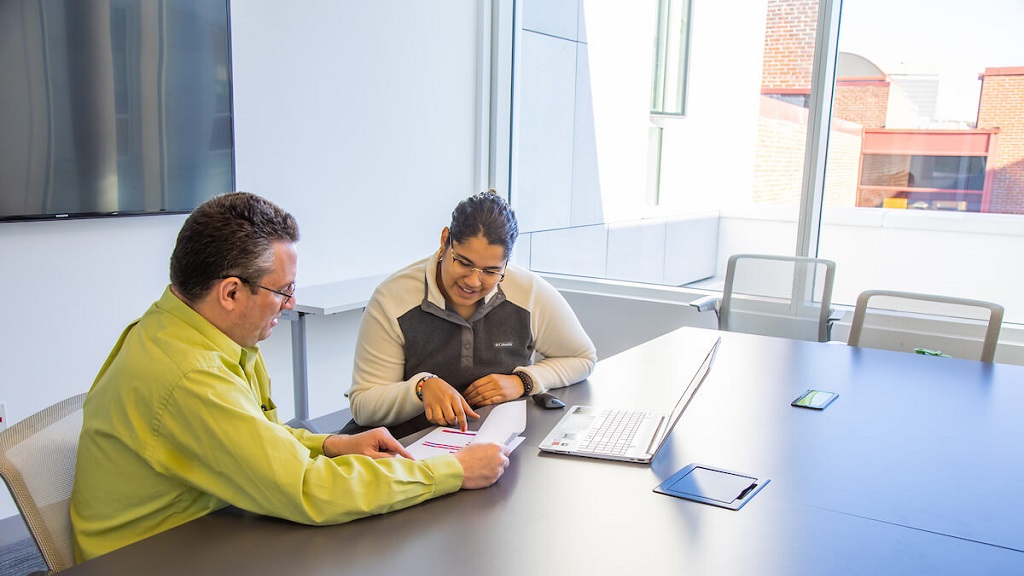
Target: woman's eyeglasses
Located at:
point(464, 266)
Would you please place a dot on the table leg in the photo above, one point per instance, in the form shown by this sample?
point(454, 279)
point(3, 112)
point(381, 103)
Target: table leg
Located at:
point(300, 381)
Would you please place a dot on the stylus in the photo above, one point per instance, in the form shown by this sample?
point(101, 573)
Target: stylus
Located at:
point(746, 491)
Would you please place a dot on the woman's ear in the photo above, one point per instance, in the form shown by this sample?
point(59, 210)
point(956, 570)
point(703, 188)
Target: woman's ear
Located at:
point(444, 241)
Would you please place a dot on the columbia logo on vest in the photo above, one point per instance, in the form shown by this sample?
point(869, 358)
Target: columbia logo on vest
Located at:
point(502, 344)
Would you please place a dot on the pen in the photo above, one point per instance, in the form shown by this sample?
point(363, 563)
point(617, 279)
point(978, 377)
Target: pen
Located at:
point(746, 491)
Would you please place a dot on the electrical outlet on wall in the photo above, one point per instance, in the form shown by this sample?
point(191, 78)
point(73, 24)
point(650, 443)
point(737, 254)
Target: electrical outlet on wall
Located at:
point(3, 415)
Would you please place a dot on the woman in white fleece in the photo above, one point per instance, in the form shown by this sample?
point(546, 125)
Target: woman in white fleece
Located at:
point(464, 328)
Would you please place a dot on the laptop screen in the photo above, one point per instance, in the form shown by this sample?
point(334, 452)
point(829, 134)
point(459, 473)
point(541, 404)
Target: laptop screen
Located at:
point(691, 390)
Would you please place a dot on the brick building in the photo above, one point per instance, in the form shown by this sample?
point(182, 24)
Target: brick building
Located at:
point(905, 159)
point(1002, 108)
point(862, 100)
point(789, 47)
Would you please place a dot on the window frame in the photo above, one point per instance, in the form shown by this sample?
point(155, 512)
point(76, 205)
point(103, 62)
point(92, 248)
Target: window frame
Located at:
point(670, 54)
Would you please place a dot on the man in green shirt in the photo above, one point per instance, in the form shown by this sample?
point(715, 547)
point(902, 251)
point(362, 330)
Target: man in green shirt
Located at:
point(180, 423)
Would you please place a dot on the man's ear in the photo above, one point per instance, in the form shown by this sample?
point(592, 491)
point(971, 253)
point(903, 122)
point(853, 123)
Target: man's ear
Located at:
point(228, 293)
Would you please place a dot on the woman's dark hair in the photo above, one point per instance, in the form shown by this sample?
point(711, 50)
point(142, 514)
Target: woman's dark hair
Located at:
point(229, 235)
point(485, 214)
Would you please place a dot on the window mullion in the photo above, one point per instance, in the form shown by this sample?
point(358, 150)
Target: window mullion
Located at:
point(819, 117)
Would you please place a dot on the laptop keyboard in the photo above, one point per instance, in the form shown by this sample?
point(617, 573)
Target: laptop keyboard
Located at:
point(614, 434)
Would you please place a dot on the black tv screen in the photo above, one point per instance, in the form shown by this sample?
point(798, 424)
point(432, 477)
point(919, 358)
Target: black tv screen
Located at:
point(112, 107)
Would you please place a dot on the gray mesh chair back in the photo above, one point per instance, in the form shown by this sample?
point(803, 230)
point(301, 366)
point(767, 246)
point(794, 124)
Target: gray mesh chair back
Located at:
point(37, 462)
point(957, 327)
point(787, 296)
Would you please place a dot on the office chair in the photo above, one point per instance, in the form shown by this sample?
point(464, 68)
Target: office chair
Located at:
point(37, 462)
point(958, 327)
point(787, 296)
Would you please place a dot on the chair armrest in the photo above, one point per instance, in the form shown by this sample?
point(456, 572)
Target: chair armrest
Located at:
point(835, 315)
point(705, 304)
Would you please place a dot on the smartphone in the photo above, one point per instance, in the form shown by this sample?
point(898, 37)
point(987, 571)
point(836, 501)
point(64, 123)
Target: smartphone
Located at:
point(815, 399)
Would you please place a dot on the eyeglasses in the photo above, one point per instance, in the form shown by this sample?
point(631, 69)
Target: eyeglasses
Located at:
point(287, 295)
point(464, 267)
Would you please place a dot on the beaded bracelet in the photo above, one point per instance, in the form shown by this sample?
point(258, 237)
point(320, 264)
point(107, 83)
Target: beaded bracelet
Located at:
point(527, 382)
point(419, 385)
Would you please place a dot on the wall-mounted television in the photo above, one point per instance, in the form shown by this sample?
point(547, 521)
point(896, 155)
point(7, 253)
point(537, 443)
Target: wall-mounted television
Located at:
point(113, 107)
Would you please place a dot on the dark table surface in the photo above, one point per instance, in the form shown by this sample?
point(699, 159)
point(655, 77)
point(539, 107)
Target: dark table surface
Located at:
point(914, 469)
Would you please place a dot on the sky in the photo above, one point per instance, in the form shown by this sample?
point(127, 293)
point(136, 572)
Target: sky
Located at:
point(955, 39)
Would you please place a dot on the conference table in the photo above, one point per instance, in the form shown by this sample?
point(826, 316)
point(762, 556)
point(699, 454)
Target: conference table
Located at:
point(915, 468)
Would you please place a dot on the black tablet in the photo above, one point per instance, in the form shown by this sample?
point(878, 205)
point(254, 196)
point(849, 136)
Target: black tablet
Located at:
point(714, 486)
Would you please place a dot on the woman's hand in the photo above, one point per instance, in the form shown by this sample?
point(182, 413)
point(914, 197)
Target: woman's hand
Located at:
point(494, 389)
point(443, 405)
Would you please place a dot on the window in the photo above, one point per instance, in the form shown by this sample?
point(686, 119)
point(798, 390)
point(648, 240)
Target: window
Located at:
point(939, 182)
point(672, 48)
point(938, 98)
point(855, 148)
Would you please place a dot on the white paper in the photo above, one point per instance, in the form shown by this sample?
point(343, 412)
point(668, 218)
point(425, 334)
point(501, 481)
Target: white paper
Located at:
point(503, 425)
point(503, 421)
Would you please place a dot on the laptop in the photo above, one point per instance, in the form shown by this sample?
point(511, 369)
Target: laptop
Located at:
point(626, 435)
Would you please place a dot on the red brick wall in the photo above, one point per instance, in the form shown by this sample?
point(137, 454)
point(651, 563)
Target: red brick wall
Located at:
point(866, 105)
point(779, 157)
point(843, 162)
point(1002, 106)
point(789, 44)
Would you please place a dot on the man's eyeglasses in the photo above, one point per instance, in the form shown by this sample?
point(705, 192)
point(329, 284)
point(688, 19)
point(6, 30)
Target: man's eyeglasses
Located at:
point(287, 295)
point(464, 266)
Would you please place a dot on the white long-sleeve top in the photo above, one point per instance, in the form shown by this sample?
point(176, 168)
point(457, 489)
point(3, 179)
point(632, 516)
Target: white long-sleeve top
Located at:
point(524, 324)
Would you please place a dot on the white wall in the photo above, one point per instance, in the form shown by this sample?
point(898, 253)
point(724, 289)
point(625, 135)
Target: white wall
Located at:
point(914, 249)
point(708, 156)
point(580, 124)
point(672, 251)
point(69, 289)
point(359, 118)
point(581, 137)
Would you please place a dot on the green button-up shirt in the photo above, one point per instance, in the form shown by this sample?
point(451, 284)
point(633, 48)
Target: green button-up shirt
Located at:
point(180, 423)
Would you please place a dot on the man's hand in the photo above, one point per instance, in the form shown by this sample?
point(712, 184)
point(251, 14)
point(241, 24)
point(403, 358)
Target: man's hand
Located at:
point(443, 405)
point(376, 443)
point(482, 464)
